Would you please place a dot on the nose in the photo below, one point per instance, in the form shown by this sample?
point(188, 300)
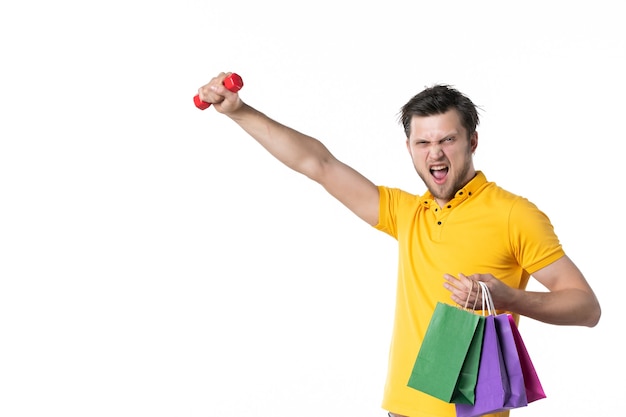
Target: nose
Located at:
point(435, 150)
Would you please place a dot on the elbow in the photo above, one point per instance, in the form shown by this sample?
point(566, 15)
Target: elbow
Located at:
point(593, 318)
point(591, 313)
point(585, 308)
point(316, 169)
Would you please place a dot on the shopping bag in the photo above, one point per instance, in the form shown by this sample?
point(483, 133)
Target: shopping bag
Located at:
point(446, 366)
point(492, 387)
point(534, 390)
point(512, 363)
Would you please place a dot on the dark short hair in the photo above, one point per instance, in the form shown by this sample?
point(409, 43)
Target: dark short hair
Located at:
point(438, 99)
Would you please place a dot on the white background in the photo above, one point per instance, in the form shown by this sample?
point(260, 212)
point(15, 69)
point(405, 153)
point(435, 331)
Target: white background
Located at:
point(155, 261)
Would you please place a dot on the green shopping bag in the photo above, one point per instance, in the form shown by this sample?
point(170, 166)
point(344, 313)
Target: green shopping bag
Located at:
point(446, 366)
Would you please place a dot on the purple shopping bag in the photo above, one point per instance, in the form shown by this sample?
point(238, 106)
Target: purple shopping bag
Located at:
point(511, 362)
point(534, 390)
point(492, 386)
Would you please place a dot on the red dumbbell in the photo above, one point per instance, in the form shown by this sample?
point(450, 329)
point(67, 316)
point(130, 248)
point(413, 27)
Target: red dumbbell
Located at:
point(233, 83)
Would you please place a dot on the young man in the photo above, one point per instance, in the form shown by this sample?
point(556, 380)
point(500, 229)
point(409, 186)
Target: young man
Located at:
point(463, 229)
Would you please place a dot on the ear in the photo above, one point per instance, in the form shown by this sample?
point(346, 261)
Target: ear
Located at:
point(408, 146)
point(474, 142)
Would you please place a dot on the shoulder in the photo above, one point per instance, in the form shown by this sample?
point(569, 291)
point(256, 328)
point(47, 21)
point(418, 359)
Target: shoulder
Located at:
point(492, 193)
point(396, 194)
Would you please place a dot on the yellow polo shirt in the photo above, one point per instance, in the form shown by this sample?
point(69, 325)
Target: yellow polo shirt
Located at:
point(484, 229)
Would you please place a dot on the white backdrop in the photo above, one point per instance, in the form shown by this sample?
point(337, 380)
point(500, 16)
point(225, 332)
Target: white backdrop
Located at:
point(155, 261)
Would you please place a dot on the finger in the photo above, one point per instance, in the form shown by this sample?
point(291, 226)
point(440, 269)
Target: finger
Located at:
point(469, 285)
point(457, 288)
point(449, 278)
point(213, 91)
point(477, 297)
point(469, 295)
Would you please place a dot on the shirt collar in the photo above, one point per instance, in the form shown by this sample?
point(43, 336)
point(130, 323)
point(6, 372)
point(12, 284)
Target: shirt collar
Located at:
point(470, 189)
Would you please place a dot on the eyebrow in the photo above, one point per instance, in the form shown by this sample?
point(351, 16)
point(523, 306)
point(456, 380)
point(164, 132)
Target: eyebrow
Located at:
point(446, 136)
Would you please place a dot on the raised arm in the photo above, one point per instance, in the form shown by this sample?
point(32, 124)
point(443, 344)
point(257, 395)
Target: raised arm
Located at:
point(300, 152)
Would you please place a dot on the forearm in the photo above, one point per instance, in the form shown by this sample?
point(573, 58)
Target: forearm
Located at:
point(298, 151)
point(568, 301)
point(571, 306)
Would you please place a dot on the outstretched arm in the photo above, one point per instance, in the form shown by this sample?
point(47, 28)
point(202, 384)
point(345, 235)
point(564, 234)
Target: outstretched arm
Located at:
point(301, 153)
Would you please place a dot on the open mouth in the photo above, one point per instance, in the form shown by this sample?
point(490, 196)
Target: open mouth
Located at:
point(439, 173)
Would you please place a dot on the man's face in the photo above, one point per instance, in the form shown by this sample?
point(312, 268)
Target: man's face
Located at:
point(442, 153)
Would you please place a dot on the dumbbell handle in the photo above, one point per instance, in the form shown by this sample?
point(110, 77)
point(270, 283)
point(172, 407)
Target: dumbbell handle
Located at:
point(233, 83)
